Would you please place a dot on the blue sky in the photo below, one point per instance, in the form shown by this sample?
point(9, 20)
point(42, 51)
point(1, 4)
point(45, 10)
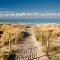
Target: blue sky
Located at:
point(33, 8)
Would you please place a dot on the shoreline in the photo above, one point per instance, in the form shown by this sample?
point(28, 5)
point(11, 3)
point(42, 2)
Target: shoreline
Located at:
point(30, 23)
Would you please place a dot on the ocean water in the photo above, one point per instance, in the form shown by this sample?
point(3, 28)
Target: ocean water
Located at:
point(30, 21)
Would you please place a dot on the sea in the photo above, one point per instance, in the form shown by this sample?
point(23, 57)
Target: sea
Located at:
point(31, 21)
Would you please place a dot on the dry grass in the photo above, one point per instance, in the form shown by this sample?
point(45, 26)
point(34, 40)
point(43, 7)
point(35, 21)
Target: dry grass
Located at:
point(46, 34)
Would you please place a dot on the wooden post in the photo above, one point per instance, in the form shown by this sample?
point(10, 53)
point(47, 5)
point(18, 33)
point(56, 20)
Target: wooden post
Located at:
point(48, 46)
point(9, 43)
point(42, 38)
point(15, 37)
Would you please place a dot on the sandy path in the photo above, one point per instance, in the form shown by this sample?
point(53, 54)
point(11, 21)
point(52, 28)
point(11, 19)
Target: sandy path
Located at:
point(30, 49)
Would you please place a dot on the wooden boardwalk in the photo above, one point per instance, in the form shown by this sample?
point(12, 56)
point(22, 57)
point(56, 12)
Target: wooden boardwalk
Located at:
point(29, 48)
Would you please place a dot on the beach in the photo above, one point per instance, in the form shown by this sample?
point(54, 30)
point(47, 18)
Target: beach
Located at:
point(47, 34)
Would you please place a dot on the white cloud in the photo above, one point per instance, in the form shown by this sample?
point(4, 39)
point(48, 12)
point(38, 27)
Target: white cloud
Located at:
point(9, 14)
point(17, 14)
point(22, 14)
point(5, 11)
point(35, 14)
point(29, 14)
point(1, 15)
point(48, 14)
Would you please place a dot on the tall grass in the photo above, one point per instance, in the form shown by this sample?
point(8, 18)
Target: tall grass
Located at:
point(46, 38)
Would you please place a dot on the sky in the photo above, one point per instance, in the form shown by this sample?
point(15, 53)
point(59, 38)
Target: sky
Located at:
point(29, 8)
